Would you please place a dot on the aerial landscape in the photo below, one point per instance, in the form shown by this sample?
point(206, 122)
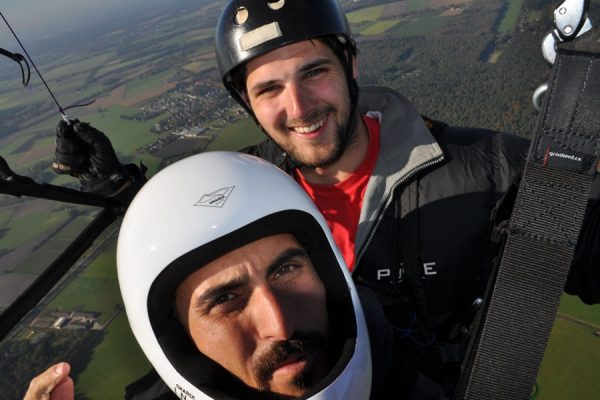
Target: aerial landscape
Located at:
point(148, 79)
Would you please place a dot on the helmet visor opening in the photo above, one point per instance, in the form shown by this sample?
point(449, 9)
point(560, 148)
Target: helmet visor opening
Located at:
point(204, 373)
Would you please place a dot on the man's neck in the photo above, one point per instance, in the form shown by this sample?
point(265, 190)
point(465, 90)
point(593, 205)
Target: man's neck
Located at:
point(353, 156)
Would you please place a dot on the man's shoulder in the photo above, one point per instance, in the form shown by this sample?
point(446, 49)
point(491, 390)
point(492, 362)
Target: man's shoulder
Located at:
point(499, 145)
point(469, 135)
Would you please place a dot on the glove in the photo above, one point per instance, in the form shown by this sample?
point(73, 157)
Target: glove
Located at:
point(86, 153)
point(69, 154)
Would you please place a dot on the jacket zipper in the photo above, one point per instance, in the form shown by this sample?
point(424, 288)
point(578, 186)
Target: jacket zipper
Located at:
point(389, 201)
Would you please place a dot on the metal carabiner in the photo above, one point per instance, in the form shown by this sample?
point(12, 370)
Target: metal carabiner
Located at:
point(570, 21)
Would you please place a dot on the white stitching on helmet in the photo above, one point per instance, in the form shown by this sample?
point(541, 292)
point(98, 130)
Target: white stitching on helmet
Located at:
point(260, 35)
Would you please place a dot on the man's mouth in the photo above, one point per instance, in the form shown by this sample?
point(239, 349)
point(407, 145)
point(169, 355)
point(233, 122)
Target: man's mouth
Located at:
point(292, 365)
point(309, 128)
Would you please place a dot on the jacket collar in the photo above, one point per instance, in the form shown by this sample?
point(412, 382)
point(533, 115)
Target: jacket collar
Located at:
point(406, 146)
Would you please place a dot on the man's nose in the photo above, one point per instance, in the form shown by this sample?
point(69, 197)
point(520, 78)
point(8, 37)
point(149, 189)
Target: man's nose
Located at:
point(297, 101)
point(272, 319)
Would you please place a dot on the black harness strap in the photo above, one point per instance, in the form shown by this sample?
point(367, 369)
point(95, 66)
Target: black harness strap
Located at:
point(510, 341)
point(57, 193)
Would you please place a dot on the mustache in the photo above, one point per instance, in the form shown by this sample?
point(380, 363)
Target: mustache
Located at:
point(310, 118)
point(280, 351)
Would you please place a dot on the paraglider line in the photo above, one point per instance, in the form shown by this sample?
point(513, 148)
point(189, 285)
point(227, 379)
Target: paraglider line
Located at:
point(60, 109)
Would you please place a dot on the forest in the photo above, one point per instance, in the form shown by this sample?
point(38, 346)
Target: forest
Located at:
point(449, 74)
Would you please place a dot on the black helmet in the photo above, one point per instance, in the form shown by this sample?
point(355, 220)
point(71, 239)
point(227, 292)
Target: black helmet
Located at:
point(250, 28)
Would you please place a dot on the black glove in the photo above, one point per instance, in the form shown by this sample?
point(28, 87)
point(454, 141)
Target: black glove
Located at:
point(86, 153)
point(69, 154)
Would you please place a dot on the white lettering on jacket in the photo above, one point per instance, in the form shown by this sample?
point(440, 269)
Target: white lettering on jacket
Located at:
point(428, 269)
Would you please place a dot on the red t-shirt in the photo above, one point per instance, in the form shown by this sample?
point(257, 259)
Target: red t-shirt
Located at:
point(341, 203)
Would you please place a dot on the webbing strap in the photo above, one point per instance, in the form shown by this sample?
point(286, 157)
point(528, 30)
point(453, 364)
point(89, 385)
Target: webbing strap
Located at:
point(510, 341)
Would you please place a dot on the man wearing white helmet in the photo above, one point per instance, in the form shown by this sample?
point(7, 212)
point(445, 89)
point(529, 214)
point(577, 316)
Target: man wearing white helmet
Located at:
point(234, 289)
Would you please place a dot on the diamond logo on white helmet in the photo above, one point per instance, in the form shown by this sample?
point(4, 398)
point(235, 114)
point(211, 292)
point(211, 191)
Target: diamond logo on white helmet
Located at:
point(218, 198)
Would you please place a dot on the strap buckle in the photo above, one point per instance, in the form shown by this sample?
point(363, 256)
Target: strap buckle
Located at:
point(570, 21)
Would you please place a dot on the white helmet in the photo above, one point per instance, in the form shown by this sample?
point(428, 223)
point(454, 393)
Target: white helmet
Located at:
point(193, 212)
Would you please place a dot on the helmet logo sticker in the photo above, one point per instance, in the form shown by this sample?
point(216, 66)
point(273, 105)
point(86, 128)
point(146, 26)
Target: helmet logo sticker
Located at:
point(260, 35)
point(276, 4)
point(218, 198)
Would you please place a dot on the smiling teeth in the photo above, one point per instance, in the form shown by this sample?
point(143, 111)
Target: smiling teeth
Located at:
point(310, 128)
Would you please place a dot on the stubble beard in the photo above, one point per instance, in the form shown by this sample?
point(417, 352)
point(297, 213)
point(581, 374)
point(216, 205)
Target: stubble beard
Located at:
point(345, 135)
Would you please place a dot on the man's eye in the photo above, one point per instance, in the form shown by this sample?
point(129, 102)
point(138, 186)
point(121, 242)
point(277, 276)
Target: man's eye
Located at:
point(285, 269)
point(267, 90)
point(315, 72)
point(224, 298)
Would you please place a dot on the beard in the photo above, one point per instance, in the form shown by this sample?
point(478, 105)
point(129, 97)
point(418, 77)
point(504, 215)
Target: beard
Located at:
point(270, 360)
point(345, 134)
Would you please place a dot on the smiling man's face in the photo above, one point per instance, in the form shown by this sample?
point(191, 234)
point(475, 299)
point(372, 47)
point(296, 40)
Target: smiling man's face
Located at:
point(299, 95)
point(260, 312)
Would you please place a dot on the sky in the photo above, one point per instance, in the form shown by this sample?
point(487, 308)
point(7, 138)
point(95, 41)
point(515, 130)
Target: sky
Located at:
point(33, 19)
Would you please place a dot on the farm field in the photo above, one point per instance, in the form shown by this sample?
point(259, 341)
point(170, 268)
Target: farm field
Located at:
point(572, 358)
point(512, 14)
point(116, 362)
point(401, 18)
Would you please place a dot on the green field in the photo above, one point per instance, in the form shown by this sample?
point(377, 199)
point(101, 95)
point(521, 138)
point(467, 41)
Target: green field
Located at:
point(115, 65)
point(423, 25)
point(236, 136)
point(366, 14)
point(512, 14)
point(55, 245)
point(126, 135)
point(78, 66)
point(416, 5)
point(380, 26)
point(572, 306)
point(94, 290)
point(116, 362)
point(29, 225)
point(139, 86)
point(570, 366)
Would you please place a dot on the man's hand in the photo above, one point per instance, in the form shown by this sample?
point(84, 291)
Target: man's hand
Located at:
point(52, 384)
point(84, 152)
point(69, 154)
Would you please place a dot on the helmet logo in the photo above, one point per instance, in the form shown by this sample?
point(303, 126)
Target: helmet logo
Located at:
point(276, 4)
point(218, 198)
point(260, 35)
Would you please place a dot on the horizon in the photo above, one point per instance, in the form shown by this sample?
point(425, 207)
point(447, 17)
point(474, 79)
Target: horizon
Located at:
point(35, 20)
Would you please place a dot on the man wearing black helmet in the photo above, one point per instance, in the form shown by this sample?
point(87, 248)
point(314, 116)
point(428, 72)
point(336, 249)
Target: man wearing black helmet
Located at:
point(409, 200)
